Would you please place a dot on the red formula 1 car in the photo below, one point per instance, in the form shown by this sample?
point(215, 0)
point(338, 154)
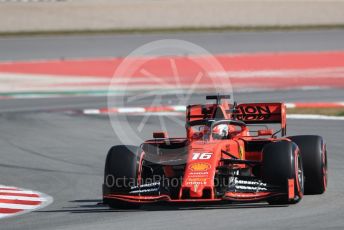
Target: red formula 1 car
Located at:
point(221, 159)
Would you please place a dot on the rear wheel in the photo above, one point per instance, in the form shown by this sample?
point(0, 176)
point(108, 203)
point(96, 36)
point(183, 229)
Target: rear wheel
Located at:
point(282, 163)
point(121, 168)
point(314, 156)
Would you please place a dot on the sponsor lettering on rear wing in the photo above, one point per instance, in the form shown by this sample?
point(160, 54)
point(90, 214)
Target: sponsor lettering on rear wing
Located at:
point(262, 113)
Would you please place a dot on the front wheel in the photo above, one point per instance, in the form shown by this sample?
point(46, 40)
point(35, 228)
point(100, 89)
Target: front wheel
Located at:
point(314, 156)
point(282, 167)
point(121, 169)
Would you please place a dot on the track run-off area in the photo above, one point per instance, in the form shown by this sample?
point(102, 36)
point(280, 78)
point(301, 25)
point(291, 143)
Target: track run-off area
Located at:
point(258, 71)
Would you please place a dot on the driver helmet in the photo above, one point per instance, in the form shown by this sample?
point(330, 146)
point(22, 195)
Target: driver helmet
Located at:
point(220, 131)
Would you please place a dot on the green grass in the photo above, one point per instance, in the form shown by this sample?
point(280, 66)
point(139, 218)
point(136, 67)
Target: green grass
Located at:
point(320, 111)
point(172, 30)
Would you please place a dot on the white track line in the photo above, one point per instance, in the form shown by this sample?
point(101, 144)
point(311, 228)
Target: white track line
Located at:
point(18, 191)
point(5, 215)
point(17, 206)
point(179, 113)
point(22, 198)
point(132, 110)
point(290, 105)
point(175, 110)
point(283, 73)
point(8, 187)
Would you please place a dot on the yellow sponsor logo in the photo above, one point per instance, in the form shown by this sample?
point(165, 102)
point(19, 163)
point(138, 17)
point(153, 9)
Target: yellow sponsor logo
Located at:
point(199, 166)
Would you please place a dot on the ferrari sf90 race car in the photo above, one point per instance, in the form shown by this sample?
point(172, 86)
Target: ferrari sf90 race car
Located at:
point(221, 159)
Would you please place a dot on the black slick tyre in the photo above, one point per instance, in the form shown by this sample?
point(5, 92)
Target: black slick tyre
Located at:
point(314, 157)
point(121, 170)
point(282, 162)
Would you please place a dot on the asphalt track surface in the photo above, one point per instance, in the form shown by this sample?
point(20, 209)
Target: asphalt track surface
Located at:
point(62, 154)
point(81, 46)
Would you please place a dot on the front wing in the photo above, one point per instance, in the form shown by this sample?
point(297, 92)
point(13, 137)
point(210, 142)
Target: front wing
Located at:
point(239, 193)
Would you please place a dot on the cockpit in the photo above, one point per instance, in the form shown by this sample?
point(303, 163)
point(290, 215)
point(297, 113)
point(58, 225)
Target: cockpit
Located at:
point(208, 129)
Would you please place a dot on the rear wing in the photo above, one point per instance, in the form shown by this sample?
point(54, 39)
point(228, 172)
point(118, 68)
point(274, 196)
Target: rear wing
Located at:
point(209, 111)
point(262, 113)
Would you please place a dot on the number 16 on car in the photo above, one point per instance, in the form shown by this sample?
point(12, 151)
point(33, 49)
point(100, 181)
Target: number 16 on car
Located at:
point(201, 156)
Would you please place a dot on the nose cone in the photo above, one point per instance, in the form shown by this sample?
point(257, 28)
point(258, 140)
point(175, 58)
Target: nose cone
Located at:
point(200, 171)
point(197, 178)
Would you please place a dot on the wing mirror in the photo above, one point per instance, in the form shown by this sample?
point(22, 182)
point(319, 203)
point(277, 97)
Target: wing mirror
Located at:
point(160, 135)
point(265, 132)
